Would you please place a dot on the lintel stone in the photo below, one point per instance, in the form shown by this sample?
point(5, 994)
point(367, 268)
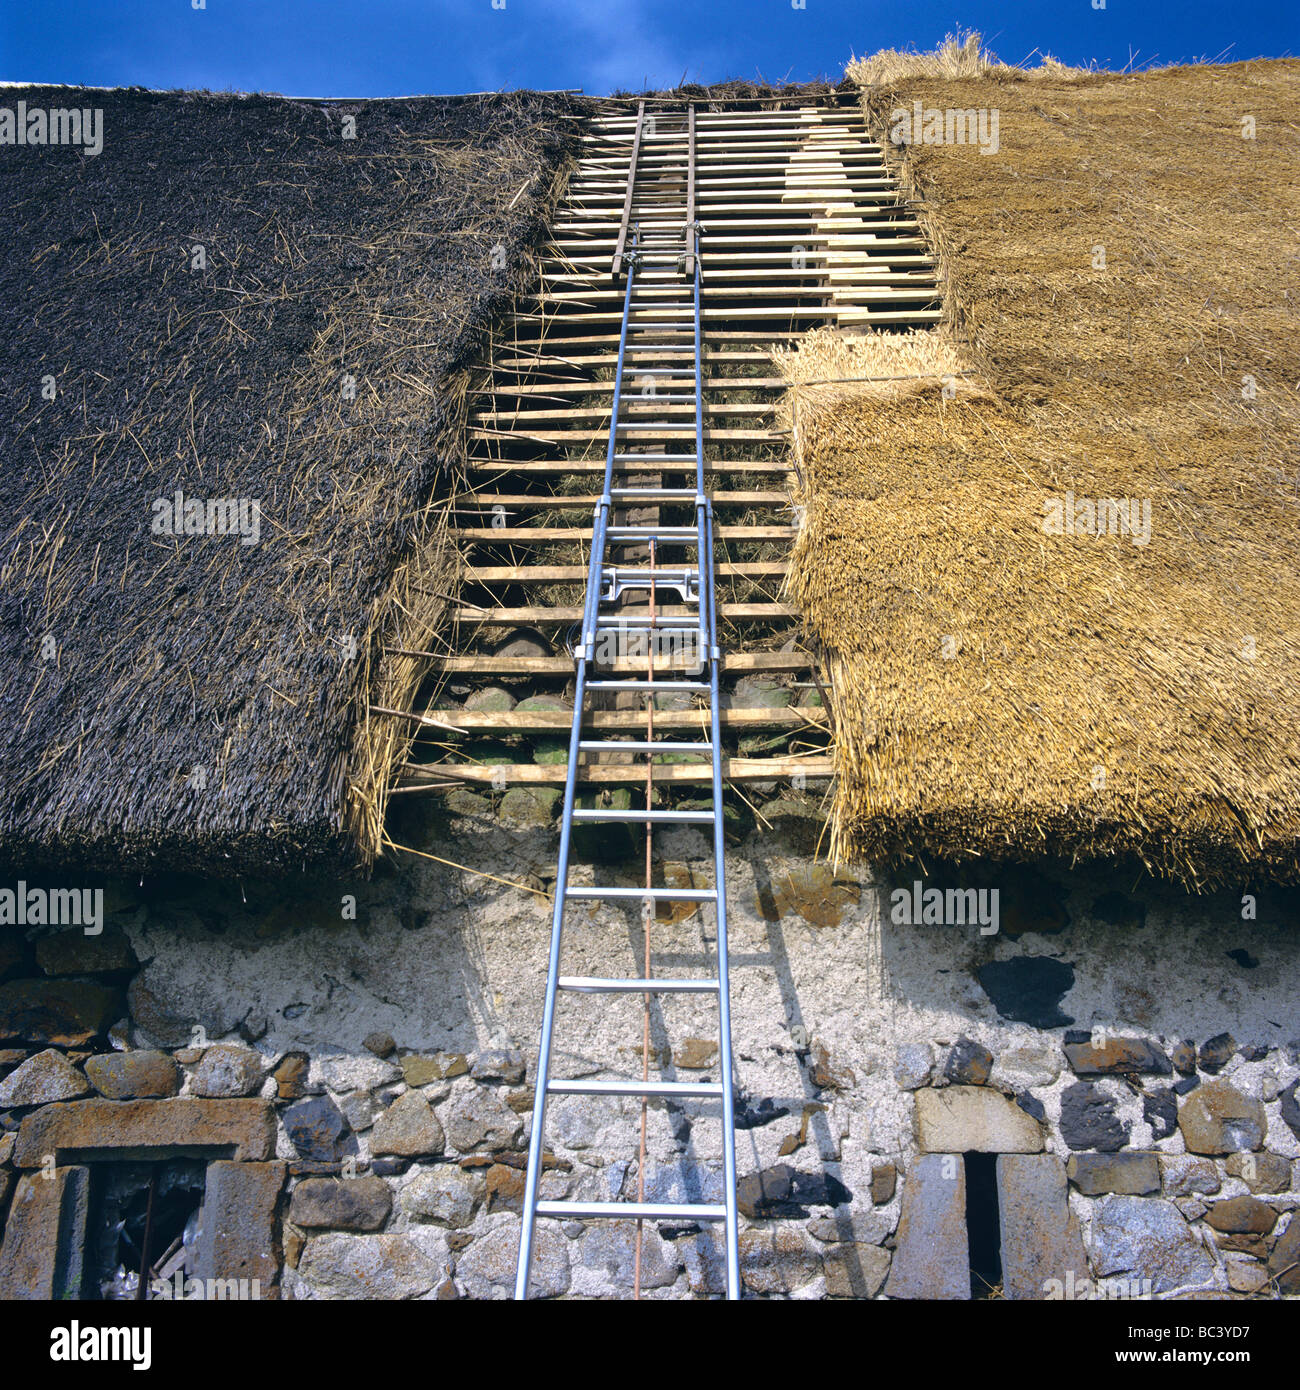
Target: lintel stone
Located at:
point(965, 1119)
point(147, 1129)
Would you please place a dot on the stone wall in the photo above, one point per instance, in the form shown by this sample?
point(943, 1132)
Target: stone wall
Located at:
point(354, 1060)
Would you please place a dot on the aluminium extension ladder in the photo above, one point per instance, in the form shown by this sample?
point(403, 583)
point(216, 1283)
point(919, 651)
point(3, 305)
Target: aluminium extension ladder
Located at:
point(658, 231)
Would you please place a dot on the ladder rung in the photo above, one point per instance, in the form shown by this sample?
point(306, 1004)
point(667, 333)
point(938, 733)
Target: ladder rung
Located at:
point(705, 1090)
point(616, 622)
point(595, 984)
point(649, 533)
point(686, 460)
point(609, 745)
point(648, 685)
point(655, 494)
point(655, 817)
point(623, 574)
point(677, 895)
point(630, 1211)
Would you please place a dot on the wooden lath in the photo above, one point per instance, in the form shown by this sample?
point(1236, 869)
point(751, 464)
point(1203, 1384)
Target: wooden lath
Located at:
point(763, 179)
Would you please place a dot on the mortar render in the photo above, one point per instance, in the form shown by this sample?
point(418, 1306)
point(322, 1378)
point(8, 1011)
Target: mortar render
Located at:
point(827, 995)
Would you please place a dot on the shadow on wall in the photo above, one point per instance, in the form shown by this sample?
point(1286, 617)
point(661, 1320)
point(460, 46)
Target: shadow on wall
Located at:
point(307, 964)
point(1084, 948)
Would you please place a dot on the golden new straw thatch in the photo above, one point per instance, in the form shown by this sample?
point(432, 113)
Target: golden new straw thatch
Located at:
point(1020, 668)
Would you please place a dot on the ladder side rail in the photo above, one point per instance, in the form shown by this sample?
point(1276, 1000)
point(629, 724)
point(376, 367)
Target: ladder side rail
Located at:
point(583, 656)
point(600, 518)
point(536, 1142)
point(617, 265)
point(725, 1059)
point(617, 402)
point(691, 241)
point(694, 234)
point(709, 601)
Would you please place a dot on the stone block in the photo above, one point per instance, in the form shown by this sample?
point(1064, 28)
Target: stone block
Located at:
point(1185, 1174)
point(348, 1204)
point(1261, 1172)
point(846, 1226)
point(45, 1235)
point(42, 1080)
point(134, 1075)
point(1089, 1119)
point(1242, 1216)
point(783, 1191)
point(487, 1268)
point(1215, 1053)
point(932, 1253)
point(1147, 1238)
point(1117, 1056)
point(499, 1065)
point(76, 953)
point(57, 1013)
point(1019, 1068)
point(854, 1270)
point(241, 1236)
point(1029, 989)
point(963, 1119)
point(444, 1194)
point(480, 1120)
point(409, 1128)
point(912, 1068)
point(968, 1063)
point(420, 1070)
point(610, 1246)
point(227, 1070)
point(1284, 1261)
point(318, 1131)
point(1132, 1174)
point(1040, 1237)
point(884, 1178)
point(1217, 1119)
point(777, 1259)
point(382, 1267)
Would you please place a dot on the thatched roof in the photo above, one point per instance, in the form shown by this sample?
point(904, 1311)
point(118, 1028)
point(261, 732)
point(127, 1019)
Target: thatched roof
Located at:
point(199, 702)
point(1005, 688)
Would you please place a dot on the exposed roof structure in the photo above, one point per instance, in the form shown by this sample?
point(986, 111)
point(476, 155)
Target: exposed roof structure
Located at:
point(232, 360)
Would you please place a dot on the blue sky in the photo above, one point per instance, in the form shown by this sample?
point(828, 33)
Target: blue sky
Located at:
point(397, 47)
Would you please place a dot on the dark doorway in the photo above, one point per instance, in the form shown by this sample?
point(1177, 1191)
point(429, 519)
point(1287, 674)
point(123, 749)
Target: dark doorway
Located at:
point(983, 1227)
point(145, 1220)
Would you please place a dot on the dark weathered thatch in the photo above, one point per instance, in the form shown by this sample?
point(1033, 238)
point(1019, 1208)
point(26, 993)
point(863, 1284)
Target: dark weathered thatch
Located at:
point(191, 700)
